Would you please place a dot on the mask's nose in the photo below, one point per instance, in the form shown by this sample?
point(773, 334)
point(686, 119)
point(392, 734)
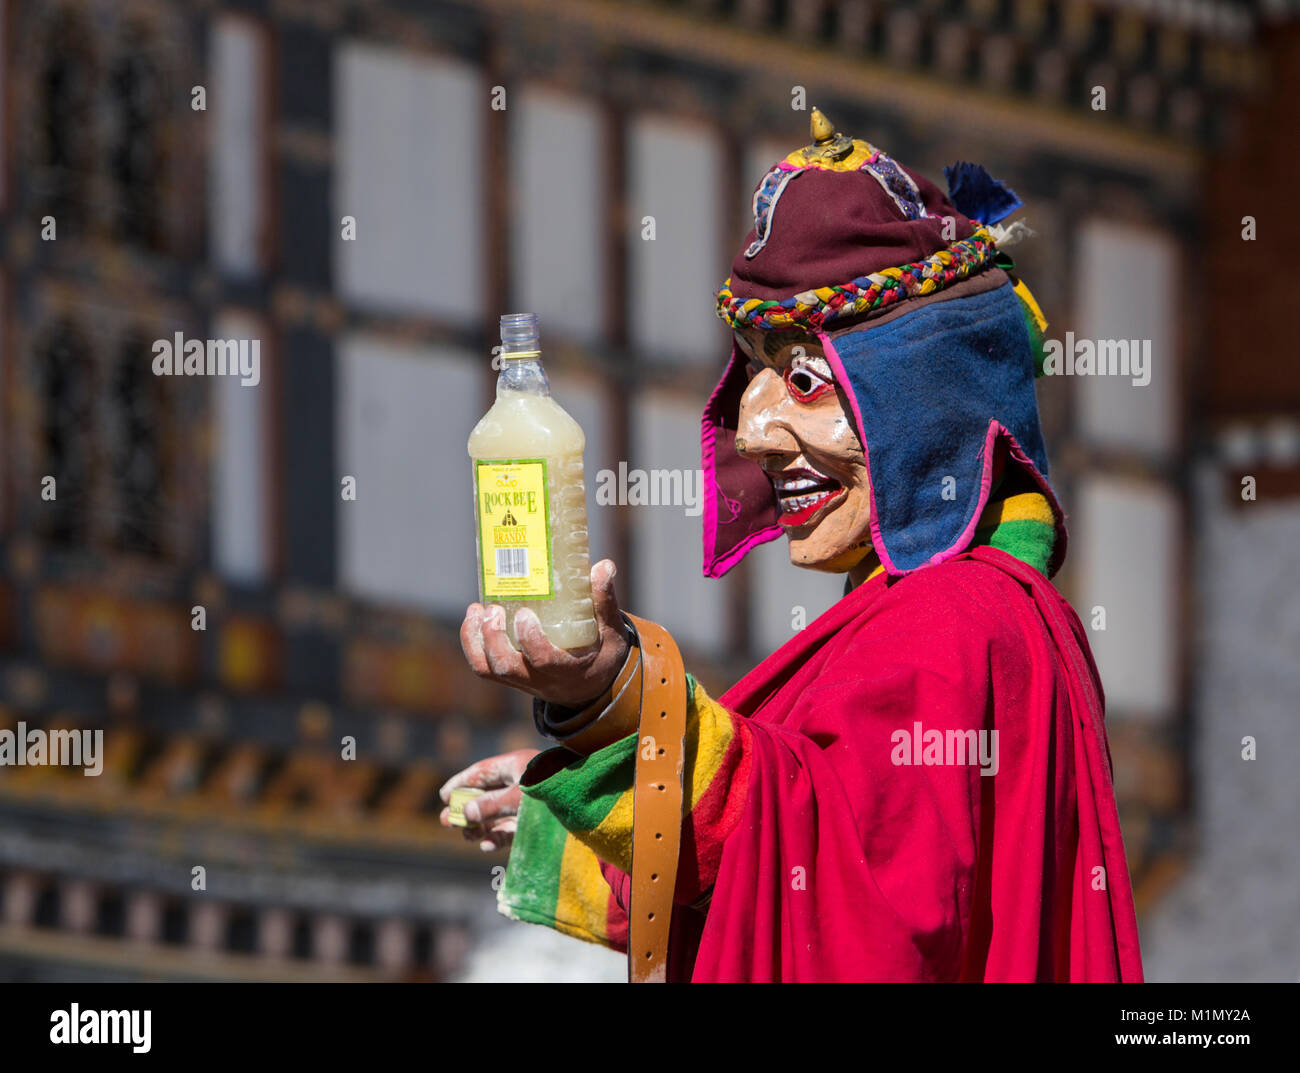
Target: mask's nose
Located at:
point(762, 434)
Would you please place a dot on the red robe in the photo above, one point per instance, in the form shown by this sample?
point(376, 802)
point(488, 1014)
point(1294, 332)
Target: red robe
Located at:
point(848, 864)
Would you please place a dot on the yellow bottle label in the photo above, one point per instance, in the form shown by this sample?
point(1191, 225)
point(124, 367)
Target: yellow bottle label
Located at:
point(514, 528)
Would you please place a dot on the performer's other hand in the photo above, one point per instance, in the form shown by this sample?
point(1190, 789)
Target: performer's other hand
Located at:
point(572, 679)
point(494, 815)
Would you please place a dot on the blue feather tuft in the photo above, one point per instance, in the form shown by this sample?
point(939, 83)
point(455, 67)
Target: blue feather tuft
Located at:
point(977, 195)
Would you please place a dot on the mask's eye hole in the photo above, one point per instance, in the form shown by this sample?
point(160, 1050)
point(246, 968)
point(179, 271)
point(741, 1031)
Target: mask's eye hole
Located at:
point(806, 384)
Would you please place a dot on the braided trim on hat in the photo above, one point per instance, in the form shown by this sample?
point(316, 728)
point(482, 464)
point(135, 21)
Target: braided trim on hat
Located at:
point(821, 305)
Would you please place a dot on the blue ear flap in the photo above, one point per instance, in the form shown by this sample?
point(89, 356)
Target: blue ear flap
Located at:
point(977, 195)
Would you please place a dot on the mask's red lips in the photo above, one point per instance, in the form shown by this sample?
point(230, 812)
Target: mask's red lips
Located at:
point(794, 519)
point(803, 494)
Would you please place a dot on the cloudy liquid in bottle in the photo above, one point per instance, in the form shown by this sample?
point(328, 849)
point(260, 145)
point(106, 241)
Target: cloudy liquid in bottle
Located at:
point(530, 505)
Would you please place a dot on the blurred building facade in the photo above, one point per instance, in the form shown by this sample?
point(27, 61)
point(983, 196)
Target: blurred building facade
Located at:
point(363, 187)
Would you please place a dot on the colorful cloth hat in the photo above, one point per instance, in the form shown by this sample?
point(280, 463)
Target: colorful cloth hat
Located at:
point(934, 342)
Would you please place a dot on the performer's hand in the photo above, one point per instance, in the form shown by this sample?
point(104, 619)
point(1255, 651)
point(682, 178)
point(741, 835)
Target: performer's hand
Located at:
point(572, 679)
point(494, 815)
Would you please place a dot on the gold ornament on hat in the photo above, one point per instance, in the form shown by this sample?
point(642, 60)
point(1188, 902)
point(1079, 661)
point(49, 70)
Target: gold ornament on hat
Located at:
point(831, 149)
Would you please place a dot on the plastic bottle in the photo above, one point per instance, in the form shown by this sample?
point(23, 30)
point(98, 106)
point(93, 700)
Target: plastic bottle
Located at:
point(530, 506)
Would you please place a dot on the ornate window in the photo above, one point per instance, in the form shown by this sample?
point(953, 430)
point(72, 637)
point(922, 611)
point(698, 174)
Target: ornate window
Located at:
point(63, 150)
point(64, 359)
point(112, 436)
point(139, 100)
point(134, 414)
point(100, 144)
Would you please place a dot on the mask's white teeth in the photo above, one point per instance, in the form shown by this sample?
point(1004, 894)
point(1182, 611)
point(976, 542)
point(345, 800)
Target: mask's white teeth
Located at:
point(798, 484)
point(800, 502)
point(801, 483)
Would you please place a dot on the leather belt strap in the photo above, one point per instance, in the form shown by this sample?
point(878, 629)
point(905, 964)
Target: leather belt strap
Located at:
point(656, 802)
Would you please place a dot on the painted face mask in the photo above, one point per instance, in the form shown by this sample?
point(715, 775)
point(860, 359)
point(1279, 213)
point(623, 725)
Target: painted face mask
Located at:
point(931, 343)
point(796, 424)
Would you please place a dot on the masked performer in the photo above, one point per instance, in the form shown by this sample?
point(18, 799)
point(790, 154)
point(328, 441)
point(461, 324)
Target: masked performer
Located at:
point(917, 786)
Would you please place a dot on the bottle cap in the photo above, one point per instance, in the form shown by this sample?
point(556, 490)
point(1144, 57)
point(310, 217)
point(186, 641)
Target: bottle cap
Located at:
point(456, 804)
